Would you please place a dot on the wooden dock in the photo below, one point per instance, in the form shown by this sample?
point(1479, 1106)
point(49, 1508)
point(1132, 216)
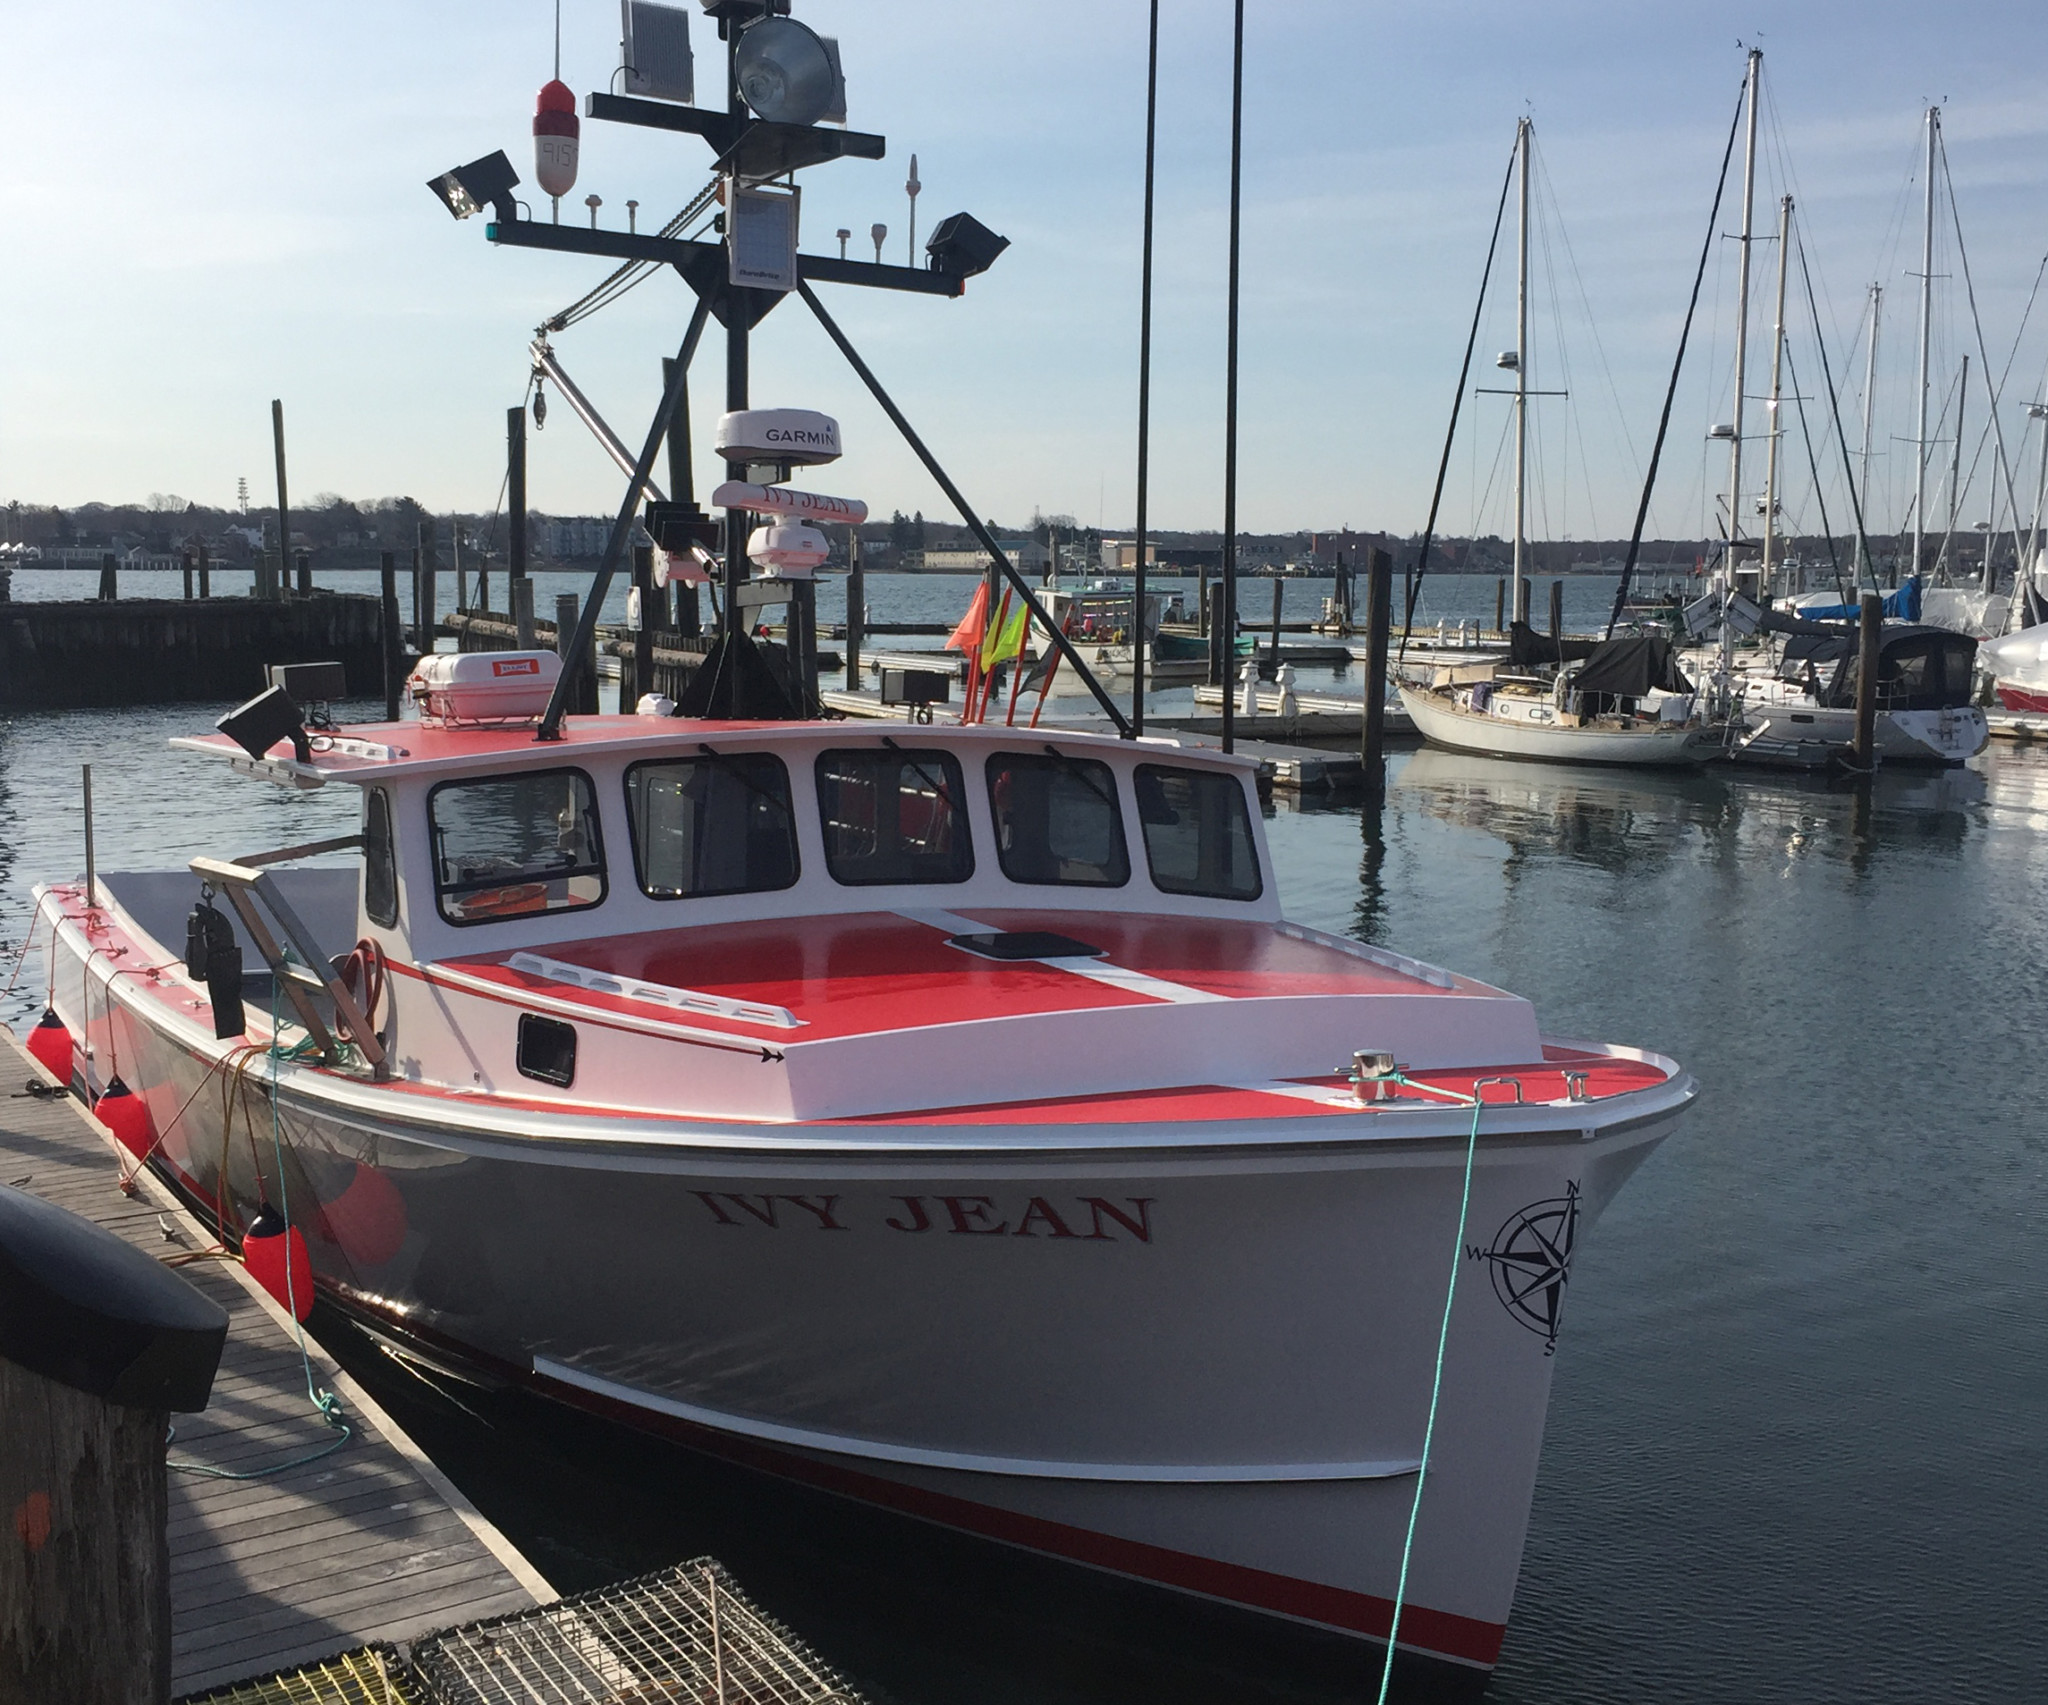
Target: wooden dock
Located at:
point(167, 651)
point(370, 1543)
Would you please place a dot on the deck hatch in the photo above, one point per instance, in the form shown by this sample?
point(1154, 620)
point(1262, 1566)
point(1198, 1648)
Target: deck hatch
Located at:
point(1025, 944)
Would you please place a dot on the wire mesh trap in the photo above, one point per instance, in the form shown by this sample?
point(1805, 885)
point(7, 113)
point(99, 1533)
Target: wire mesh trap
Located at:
point(374, 1675)
point(683, 1634)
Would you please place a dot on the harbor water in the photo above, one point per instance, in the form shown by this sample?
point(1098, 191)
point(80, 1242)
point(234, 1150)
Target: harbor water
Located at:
point(1794, 1448)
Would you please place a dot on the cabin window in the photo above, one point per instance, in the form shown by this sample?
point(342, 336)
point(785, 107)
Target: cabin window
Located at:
point(893, 814)
point(721, 823)
point(380, 859)
point(1057, 820)
point(1198, 833)
point(516, 846)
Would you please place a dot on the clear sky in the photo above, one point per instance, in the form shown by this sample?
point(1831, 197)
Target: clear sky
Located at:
point(209, 205)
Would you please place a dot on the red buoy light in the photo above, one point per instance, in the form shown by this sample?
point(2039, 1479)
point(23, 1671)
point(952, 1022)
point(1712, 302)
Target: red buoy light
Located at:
point(49, 1044)
point(126, 1115)
point(555, 130)
point(276, 1257)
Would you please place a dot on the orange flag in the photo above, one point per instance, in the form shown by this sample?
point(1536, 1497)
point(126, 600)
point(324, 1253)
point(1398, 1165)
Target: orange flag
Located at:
point(967, 636)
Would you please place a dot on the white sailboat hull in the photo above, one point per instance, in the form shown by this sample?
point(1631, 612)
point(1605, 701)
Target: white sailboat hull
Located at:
point(1447, 724)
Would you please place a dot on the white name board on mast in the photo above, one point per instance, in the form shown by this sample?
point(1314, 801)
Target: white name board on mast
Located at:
point(760, 237)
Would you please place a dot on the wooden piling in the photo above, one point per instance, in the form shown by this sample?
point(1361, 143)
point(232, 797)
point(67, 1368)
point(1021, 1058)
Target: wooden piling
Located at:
point(109, 573)
point(483, 582)
point(1500, 606)
point(522, 612)
point(305, 566)
point(583, 688)
point(205, 574)
point(98, 1345)
point(515, 496)
point(185, 561)
point(423, 589)
point(856, 609)
point(1279, 594)
point(1379, 621)
point(639, 677)
point(1870, 625)
point(1557, 611)
point(284, 508)
point(393, 648)
point(455, 560)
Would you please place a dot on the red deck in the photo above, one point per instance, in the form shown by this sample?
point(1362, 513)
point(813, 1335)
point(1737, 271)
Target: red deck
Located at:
point(868, 972)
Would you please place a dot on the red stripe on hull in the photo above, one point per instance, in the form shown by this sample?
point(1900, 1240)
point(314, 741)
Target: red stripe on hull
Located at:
point(2033, 700)
point(1439, 1633)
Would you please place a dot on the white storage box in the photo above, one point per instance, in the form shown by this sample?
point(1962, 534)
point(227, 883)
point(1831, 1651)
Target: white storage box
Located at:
point(484, 686)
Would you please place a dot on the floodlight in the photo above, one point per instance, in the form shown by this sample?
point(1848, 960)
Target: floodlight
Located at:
point(963, 246)
point(468, 189)
point(266, 719)
point(785, 73)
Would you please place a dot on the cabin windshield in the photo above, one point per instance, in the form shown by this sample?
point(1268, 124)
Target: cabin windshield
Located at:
point(1057, 820)
point(1198, 833)
point(514, 846)
point(380, 859)
point(893, 815)
point(717, 824)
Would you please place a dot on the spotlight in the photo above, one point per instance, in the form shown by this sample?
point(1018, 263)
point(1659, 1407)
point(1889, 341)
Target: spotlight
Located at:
point(266, 719)
point(963, 246)
point(468, 189)
point(785, 73)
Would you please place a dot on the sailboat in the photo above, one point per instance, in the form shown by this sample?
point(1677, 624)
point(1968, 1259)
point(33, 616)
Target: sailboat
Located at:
point(1794, 706)
point(1617, 701)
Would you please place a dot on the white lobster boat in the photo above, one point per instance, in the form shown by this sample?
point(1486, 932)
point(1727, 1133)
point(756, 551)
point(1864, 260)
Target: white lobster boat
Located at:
point(944, 1116)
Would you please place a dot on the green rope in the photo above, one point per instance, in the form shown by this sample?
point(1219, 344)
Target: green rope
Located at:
point(1436, 1385)
point(325, 1402)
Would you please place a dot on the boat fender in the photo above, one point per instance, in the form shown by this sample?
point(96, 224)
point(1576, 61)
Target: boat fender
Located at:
point(367, 1220)
point(276, 1257)
point(126, 1116)
point(214, 957)
point(50, 1045)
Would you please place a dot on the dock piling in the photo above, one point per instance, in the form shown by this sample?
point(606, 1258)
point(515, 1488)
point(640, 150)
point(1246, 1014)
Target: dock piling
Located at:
point(1870, 623)
point(1379, 621)
point(185, 562)
point(205, 574)
point(1500, 606)
point(522, 612)
point(856, 609)
point(515, 494)
point(641, 678)
point(109, 589)
point(284, 509)
point(393, 648)
point(1557, 612)
point(85, 1579)
point(1279, 594)
point(305, 566)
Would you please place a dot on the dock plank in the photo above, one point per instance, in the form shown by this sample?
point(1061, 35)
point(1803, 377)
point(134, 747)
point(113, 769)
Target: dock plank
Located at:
point(369, 1543)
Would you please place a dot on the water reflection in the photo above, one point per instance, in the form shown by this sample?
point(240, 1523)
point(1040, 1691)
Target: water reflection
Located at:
point(1613, 820)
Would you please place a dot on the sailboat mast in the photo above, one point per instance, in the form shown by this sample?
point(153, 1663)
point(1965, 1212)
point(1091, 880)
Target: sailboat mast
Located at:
point(1519, 609)
point(1777, 392)
point(1926, 314)
point(1955, 474)
point(1869, 387)
point(1756, 59)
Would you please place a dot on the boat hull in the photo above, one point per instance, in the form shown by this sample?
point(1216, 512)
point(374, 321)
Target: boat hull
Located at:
point(1653, 745)
point(1202, 1364)
point(1808, 736)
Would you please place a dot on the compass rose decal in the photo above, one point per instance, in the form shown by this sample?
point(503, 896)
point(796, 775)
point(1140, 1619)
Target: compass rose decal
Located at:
point(1531, 1259)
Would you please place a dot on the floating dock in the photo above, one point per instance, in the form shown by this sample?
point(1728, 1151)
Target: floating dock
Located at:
point(370, 1543)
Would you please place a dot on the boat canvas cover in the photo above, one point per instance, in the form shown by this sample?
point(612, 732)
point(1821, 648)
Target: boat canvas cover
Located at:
point(1919, 668)
point(1630, 666)
point(1900, 605)
point(1527, 646)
